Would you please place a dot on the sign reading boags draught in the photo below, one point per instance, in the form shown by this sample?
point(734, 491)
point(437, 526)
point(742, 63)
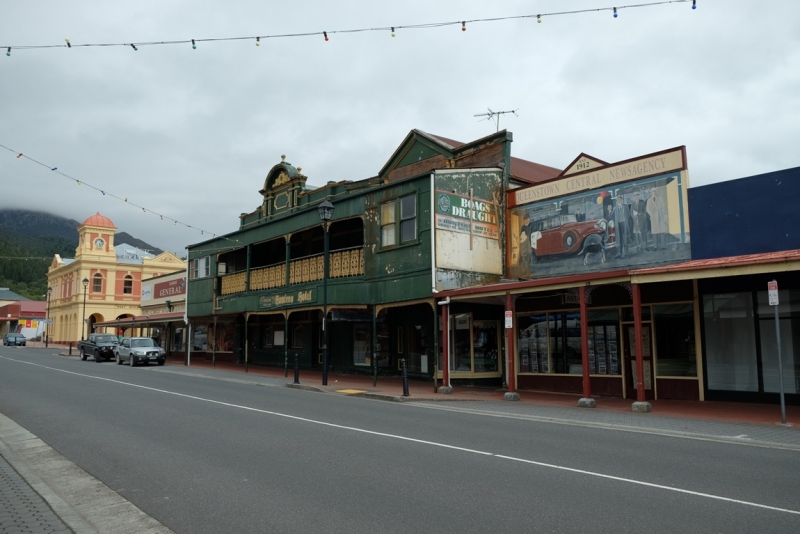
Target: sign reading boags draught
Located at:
point(457, 213)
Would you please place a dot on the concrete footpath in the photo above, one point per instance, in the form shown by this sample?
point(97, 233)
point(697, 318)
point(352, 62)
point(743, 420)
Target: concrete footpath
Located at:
point(41, 491)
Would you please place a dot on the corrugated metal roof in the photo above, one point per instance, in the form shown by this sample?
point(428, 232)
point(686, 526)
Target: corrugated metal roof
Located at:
point(533, 173)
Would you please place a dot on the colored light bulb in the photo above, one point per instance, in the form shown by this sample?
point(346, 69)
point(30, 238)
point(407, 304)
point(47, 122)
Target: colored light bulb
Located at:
point(326, 35)
point(463, 26)
point(194, 45)
point(615, 12)
point(258, 41)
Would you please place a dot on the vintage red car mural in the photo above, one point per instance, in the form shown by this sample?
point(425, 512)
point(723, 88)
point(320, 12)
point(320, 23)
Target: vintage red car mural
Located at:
point(564, 234)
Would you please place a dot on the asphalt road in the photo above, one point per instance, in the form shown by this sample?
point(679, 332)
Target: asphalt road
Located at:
point(216, 456)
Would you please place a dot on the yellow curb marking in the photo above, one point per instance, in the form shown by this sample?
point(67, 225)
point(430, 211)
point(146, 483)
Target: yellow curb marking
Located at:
point(350, 391)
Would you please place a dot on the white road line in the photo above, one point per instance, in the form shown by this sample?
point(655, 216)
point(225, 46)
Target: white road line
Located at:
point(424, 442)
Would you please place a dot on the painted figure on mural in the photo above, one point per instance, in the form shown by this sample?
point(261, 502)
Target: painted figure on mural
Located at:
point(621, 222)
point(639, 222)
point(525, 242)
point(657, 210)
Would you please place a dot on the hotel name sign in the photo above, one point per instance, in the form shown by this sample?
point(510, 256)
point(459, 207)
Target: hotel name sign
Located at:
point(294, 298)
point(662, 163)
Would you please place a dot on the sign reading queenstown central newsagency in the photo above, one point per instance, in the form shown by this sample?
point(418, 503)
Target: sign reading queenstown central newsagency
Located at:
point(662, 163)
point(458, 213)
point(294, 298)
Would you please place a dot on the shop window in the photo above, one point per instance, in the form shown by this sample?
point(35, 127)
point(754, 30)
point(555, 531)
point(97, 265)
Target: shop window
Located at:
point(361, 344)
point(462, 355)
point(399, 221)
point(532, 344)
point(297, 337)
point(550, 343)
point(177, 339)
point(603, 339)
point(200, 338)
point(565, 343)
point(675, 344)
point(127, 285)
point(730, 342)
point(268, 338)
point(789, 323)
point(97, 283)
point(485, 346)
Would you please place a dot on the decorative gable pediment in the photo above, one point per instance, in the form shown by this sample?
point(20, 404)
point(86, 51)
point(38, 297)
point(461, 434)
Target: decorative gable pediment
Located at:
point(168, 257)
point(583, 163)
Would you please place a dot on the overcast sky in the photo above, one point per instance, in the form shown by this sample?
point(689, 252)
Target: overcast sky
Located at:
point(192, 133)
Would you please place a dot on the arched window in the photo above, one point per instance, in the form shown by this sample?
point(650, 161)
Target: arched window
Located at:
point(97, 283)
point(127, 287)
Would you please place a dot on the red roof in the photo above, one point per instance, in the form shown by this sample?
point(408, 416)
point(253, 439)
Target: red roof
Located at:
point(99, 220)
point(528, 171)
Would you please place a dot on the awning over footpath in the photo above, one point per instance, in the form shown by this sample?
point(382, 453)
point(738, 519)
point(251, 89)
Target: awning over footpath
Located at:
point(767, 262)
point(143, 320)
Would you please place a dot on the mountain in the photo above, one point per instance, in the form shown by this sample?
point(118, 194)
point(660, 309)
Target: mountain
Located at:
point(30, 239)
point(125, 237)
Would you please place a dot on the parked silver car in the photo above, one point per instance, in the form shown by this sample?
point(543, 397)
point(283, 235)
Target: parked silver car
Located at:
point(135, 350)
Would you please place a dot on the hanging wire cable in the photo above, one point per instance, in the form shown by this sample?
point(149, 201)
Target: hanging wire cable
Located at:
point(203, 232)
point(425, 26)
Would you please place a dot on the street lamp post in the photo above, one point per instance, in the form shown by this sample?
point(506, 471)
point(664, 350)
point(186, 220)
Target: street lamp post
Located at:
point(83, 324)
point(47, 314)
point(325, 214)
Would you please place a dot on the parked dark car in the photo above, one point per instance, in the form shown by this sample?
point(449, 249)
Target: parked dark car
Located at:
point(100, 346)
point(135, 350)
point(14, 339)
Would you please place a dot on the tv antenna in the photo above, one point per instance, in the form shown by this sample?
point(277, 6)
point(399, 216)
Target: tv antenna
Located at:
point(496, 116)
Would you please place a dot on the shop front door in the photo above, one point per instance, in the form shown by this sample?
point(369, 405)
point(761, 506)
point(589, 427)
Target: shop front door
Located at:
point(630, 360)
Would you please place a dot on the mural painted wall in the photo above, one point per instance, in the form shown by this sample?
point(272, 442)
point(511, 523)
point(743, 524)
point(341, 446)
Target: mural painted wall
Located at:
point(623, 223)
point(466, 219)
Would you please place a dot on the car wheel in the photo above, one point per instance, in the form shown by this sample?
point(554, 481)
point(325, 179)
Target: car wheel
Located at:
point(119, 362)
point(160, 362)
point(97, 357)
point(130, 360)
point(83, 355)
point(569, 240)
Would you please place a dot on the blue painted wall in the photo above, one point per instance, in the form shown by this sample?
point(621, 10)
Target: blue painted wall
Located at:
point(746, 216)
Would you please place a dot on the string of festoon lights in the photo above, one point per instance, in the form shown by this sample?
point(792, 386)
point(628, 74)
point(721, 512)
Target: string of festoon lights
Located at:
point(126, 200)
point(326, 34)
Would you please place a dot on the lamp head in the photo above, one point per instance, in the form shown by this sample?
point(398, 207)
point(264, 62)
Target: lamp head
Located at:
point(325, 211)
point(85, 282)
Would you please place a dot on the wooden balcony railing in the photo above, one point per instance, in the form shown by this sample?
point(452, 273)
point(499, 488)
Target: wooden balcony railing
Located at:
point(268, 277)
point(343, 263)
point(347, 263)
point(234, 283)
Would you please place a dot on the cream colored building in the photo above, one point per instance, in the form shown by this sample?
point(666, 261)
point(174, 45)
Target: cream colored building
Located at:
point(102, 283)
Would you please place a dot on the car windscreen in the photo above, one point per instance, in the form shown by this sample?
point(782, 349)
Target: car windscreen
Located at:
point(106, 339)
point(142, 343)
